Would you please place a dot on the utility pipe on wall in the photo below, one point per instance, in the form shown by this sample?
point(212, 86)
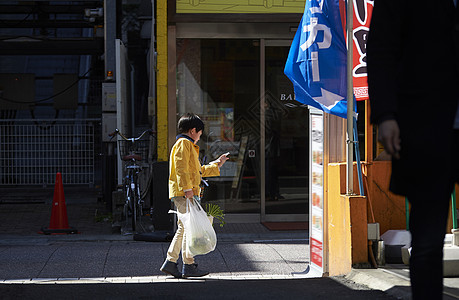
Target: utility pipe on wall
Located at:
point(350, 102)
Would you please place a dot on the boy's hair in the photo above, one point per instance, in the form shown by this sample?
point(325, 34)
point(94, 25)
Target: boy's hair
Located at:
point(189, 121)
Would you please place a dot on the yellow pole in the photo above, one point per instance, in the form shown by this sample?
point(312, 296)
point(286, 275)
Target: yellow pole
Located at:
point(161, 80)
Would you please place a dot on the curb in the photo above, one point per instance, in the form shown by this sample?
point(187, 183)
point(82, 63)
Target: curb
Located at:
point(384, 280)
point(39, 239)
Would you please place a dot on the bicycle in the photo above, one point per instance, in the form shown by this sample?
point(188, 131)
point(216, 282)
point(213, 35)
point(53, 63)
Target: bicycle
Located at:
point(132, 151)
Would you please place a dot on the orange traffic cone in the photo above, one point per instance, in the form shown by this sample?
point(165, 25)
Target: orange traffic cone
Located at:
point(59, 223)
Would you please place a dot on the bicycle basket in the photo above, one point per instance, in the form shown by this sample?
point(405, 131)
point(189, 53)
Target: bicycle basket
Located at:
point(140, 148)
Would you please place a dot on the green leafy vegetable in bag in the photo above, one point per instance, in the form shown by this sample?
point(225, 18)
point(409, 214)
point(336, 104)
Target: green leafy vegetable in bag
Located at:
point(215, 211)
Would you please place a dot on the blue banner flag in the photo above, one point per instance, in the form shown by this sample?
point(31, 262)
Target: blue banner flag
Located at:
point(316, 63)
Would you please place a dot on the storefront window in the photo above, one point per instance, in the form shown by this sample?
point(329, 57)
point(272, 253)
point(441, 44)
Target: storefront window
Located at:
point(219, 79)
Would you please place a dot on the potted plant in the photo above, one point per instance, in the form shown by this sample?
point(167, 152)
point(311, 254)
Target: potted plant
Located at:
point(214, 211)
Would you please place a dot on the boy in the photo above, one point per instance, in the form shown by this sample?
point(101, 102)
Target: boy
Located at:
point(185, 176)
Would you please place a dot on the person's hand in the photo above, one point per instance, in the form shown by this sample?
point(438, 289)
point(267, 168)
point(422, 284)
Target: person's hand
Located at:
point(189, 194)
point(389, 136)
point(222, 159)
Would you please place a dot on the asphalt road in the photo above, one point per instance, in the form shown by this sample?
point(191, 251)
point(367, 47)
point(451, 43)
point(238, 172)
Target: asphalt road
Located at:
point(314, 288)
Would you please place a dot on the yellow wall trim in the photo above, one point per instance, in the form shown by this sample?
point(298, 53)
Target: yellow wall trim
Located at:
point(240, 6)
point(161, 80)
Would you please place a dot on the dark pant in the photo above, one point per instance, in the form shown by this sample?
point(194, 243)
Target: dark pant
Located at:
point(428, 220)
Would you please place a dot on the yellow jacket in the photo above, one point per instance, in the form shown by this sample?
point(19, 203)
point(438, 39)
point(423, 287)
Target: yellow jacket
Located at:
point(185, 169)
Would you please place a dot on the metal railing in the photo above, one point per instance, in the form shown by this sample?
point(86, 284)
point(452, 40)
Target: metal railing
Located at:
point(33, 151)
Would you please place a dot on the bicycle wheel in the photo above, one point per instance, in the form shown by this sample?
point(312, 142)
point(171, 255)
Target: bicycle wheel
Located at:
point(133, 206)
point(139, 203)
point(127, 205)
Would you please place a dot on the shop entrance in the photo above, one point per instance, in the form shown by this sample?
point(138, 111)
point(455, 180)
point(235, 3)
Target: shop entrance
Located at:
point(238, 87)
point(285, 139)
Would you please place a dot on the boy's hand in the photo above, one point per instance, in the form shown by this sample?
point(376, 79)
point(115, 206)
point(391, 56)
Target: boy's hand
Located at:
point(222, 159)
point(189, 194)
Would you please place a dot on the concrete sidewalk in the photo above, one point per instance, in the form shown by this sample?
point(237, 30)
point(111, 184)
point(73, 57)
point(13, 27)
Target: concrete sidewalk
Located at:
point(248, 252)
point(110, 259)
point(130, 270)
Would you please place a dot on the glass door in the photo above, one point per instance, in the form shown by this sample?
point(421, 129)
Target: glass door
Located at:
point(219, 80)
point(239, 89)
point(284, 138)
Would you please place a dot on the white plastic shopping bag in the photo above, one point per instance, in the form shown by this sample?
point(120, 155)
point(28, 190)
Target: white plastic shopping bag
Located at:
point(199, 232)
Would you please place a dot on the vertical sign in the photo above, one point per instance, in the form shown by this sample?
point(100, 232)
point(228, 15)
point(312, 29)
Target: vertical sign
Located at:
point(316, 63)
point(316, 188)
point(362, 18)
